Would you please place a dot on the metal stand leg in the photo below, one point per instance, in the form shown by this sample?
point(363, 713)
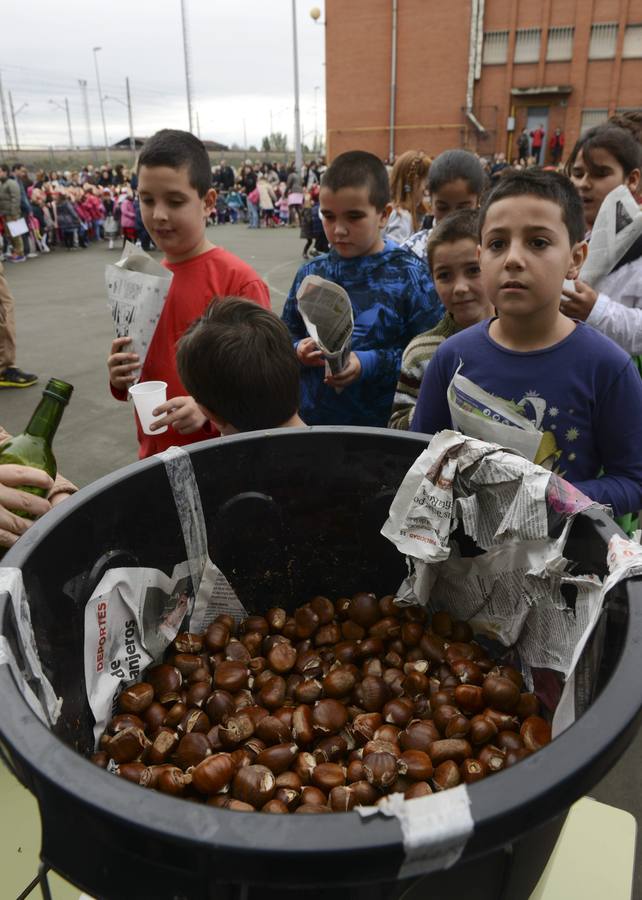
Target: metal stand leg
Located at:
point(43, 868)
point(40, 879)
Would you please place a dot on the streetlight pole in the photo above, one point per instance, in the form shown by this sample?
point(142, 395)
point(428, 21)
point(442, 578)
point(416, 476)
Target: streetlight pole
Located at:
point(5, 118)
point(65, 109)
point(15, 113)
point(316, 118)
point(132, 139)
point(298, 155)
point(85, 103)
point(128, 104)
point(188, 85)
point(102, 108)
point(71, 137)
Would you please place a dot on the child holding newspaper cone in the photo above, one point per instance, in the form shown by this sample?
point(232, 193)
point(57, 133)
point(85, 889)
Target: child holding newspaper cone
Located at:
point(390, 291)
point(175, 188)
point(578, 395)
point(602, 159)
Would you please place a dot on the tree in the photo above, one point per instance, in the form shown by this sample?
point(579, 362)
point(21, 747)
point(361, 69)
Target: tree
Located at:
point(265, 145)
point(279, 141)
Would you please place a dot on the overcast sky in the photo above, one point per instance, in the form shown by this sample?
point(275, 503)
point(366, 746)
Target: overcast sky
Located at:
point(241, 56)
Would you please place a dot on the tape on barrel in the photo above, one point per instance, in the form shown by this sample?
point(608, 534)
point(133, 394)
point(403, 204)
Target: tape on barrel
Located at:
point(435, 829)
point(213, 593)
point(34, 685)
point(187, 498)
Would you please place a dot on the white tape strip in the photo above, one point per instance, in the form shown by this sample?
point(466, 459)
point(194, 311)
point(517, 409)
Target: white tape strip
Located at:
point(187, 498)
point(44, 703)
point(213, 592)
point(435, 828)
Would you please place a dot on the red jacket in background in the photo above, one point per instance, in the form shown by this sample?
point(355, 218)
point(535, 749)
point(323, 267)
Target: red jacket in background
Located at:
point(538, 137)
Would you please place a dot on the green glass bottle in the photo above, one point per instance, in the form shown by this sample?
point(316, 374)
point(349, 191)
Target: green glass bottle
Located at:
point(33, 446)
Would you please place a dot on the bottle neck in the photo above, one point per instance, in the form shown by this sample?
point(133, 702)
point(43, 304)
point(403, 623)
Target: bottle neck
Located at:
point(46, 418)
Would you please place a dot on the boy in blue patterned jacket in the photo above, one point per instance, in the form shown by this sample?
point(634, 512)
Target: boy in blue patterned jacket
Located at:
point(392, 298)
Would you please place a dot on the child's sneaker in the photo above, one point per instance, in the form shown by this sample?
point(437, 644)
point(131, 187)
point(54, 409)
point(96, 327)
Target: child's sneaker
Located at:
point(32, 255)
point(15, 258)
point(13, 377)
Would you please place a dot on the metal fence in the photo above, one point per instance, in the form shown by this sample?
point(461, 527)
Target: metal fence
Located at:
point(64, 158)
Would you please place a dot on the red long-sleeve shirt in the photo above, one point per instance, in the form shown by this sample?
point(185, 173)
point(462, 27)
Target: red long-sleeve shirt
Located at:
point(197, 281)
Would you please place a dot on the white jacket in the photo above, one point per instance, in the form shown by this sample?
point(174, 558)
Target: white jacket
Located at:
point(267, 195)
point(617, 312)
point(399, 225)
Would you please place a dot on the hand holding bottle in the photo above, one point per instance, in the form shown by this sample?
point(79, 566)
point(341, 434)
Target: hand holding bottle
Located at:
point(28, 466)
point(14, 499)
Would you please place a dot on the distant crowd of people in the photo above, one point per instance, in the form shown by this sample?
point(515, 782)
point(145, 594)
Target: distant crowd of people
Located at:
point(42, 211)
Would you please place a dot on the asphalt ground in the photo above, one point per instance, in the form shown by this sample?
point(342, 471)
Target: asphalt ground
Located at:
point(64, 330)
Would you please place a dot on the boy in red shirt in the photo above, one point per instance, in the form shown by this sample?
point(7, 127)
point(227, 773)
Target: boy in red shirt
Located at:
point(176, 196)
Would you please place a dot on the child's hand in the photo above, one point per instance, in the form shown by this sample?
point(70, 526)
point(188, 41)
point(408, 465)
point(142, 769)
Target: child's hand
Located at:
point(122, 366)
point(183, 415)
point(352, 372)
point(580, 301)
point(309, 354)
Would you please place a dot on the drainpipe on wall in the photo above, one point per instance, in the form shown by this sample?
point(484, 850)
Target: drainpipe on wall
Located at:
point(393, 82)
point(474, 59)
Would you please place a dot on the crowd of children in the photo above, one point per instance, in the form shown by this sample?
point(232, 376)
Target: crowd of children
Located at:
point(61, 212)
point(464, 322)
point(72, 209)
point(471, 297)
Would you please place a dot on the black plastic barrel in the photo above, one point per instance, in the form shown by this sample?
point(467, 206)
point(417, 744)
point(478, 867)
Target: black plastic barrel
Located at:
point(307, 522)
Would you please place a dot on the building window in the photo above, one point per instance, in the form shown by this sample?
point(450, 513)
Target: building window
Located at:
point(495, 47)
point(603, 41)
point(593, 117)
point(560, 44)
point(527, 45)
point(632, 42)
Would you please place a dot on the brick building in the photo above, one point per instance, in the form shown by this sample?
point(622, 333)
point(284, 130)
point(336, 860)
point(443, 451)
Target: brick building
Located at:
point(473, 73)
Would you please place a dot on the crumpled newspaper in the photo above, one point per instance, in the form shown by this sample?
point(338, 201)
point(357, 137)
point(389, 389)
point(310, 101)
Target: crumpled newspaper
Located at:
point(617, 226)
point(513, 588)
point(134, 613)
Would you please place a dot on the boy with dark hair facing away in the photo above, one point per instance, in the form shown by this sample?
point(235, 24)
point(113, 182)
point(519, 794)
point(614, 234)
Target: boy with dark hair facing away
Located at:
point(176, 196)
point(391, 294)
point(239, 365)
point(581, 390)
point(454, 264)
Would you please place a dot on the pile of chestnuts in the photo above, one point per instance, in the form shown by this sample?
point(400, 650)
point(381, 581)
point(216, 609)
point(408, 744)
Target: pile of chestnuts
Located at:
point(327, 709)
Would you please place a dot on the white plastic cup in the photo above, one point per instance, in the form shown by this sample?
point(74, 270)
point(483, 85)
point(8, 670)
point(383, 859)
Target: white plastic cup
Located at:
point(147, 395)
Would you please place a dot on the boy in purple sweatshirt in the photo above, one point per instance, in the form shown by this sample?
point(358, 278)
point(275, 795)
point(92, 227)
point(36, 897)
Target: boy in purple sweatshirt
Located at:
point(576, 385)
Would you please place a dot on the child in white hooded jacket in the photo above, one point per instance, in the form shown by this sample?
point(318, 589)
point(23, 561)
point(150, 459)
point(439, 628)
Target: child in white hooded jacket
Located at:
point(604, 158)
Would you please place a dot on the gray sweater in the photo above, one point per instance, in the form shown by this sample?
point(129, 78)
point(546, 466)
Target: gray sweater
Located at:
point(10, 198)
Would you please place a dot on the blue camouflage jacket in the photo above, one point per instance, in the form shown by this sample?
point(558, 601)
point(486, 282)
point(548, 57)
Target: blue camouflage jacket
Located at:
point(393, 299)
